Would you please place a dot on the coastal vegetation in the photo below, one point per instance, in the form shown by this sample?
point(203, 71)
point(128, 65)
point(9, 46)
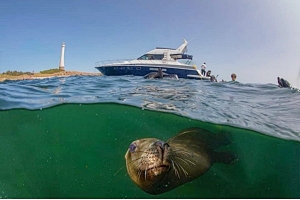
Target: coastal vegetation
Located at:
point(16, 73)
point(19, 75)
point(51, 71)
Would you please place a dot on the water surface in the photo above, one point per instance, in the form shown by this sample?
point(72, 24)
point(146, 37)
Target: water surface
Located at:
point(67, 137)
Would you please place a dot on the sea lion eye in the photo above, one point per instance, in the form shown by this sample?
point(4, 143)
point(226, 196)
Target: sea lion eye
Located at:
point(132, 147)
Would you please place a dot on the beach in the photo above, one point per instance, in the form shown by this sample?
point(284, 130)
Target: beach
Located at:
point(4, 77)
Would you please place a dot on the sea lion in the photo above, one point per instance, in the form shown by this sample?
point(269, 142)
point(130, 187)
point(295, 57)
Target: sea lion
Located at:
point(213, 78)
point(159, 75)
point(157, 167)
point(283, 83)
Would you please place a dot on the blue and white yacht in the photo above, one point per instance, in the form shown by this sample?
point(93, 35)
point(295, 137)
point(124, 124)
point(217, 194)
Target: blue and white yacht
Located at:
point(164, 59)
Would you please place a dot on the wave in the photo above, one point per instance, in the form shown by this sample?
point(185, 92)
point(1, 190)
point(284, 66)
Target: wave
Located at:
point(261, 107)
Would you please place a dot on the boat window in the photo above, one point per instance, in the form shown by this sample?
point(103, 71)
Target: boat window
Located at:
point(138, 68)
point(130, 68)
point(144, 57)
point(158, 57)
point(122, 68)
point(151, 57)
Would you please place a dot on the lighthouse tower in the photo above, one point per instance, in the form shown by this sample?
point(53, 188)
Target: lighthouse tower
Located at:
point(62, 57)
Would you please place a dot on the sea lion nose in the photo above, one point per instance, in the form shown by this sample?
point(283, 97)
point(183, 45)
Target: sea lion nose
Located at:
point(159, 143)
point(162, 148)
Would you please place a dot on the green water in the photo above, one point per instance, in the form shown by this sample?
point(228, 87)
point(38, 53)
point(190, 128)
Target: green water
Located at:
point(75, 150)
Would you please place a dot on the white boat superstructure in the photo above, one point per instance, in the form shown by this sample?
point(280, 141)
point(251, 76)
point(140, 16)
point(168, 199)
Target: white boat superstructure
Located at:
point(165, 59)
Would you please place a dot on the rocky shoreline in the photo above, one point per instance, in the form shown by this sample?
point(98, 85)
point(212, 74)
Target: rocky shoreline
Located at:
point(4, 77)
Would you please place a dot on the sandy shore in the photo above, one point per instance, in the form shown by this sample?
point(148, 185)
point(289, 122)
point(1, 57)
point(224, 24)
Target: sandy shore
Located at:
point(4, 77)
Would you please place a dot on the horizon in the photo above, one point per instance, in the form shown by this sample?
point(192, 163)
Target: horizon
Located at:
point(257, 40)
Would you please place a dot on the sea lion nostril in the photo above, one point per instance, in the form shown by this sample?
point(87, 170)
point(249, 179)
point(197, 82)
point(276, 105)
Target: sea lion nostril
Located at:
point(166, 145)
point(159, 143)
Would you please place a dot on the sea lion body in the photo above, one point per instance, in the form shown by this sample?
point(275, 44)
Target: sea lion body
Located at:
point(283, 83)
point(157, 167)
point(159, 75)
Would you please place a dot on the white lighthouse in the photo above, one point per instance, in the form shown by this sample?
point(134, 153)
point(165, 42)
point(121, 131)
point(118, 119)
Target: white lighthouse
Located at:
point(62, 57)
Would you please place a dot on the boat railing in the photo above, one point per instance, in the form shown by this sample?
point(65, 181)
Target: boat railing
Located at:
point(111, 62)
point(125, 61)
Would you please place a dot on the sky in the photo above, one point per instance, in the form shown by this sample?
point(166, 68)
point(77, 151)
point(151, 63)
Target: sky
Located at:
point(258, 40)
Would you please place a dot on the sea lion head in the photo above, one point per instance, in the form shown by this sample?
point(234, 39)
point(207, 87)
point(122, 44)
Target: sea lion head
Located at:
point(147, 162)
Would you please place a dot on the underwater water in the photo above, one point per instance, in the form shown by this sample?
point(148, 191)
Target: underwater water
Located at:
point(67, 137)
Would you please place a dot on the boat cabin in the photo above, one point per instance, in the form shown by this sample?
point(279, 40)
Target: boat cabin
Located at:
point(161, 56)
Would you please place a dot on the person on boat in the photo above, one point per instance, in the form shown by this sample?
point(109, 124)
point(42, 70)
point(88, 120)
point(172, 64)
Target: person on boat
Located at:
point(208, 73)
point(203, 67)
point(233, 76)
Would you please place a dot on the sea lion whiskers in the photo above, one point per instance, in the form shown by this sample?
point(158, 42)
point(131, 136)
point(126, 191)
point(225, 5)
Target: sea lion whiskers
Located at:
point(139, 166)
point(146, 173)
point(185, 160)
point(175, 169)
point(184, 171)
point(119, 170)
point(128, 164)
point(179, 167)
point(139, 173)
point(182, 151)
point(134, 161)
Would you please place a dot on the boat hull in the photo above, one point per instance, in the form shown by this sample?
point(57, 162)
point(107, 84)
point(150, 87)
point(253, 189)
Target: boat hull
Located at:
point(139, 70)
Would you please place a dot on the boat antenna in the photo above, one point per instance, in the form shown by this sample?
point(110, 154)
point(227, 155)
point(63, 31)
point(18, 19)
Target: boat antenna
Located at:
point(191, 40)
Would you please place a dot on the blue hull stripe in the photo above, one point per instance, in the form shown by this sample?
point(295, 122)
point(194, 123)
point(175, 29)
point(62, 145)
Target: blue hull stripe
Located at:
point(143, 70)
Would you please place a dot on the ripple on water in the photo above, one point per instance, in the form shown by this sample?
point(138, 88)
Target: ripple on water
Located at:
point(261, 107)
